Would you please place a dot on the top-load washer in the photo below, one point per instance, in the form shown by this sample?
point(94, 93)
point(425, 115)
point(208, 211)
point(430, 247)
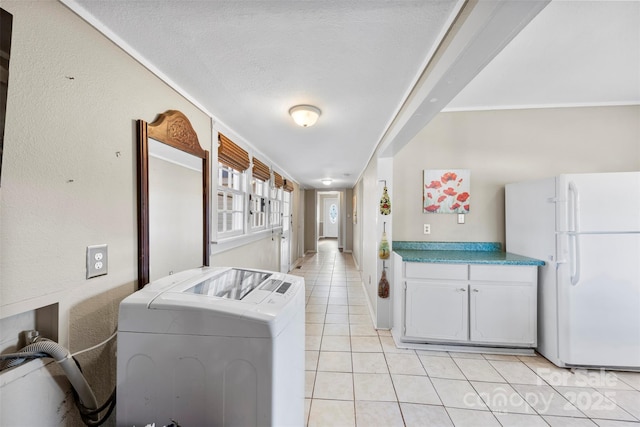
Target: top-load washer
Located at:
point(213, 346)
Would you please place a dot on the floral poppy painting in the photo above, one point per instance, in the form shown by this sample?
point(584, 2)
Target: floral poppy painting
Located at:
point(446, 191)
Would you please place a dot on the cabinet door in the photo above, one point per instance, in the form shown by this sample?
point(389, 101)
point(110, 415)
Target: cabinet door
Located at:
point(436, 310)
point(503, 313)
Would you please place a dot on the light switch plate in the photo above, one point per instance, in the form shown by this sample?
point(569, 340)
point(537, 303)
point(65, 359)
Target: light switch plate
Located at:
point(460, 218)
point(96, 260)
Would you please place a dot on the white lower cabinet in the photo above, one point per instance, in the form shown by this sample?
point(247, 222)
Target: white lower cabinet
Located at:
point(437, 310)
point(470, 304)
point(502, 314)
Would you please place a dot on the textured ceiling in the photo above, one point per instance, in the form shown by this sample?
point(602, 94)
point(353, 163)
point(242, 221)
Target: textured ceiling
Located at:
point(247, 62)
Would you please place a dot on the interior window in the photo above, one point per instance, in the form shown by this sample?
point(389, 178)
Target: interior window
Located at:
point(231, 197)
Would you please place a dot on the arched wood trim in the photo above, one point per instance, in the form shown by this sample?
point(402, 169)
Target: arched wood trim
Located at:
point(174, 129)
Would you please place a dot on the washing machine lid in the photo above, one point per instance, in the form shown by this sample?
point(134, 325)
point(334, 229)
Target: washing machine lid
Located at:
point(232, 284)
point(205, 301)
point(223, 289)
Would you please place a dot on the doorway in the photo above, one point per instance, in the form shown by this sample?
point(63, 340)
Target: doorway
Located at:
point(329, 213)
point(285, 243)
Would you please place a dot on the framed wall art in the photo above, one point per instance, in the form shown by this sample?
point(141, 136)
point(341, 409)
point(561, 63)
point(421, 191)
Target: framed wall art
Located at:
point(446, 191)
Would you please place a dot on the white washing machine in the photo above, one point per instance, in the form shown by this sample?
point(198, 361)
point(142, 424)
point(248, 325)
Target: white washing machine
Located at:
point(213, 347)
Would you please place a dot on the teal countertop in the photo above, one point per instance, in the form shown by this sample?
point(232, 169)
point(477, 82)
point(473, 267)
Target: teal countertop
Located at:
point(459, 253)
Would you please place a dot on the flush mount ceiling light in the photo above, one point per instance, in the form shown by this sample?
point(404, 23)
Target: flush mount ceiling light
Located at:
point(305, 115)
point(327, 181)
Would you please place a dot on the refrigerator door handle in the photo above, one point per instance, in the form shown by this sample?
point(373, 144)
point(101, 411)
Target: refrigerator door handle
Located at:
point(574, 208)
point(574, 229)
point(574, 258)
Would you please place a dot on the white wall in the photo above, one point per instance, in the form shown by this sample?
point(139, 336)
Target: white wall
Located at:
point(358, 192)
point(348, 220)
point(500, 147)
point(367, 233)
point(368, 216)
point(263, 253)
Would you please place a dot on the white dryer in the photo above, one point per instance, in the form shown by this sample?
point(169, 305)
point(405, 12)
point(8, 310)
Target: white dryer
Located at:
point(213, 347)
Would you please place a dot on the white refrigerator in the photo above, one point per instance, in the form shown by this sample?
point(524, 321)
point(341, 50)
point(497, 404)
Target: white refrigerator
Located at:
point(586, 227)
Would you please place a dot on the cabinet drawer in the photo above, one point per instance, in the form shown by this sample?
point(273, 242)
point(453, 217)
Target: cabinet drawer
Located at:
point(423, 270)
point(503, 273)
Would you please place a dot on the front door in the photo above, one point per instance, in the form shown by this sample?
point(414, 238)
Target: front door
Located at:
point(330, 217)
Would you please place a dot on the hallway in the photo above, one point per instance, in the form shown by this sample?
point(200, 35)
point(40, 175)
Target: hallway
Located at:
point(355, 375)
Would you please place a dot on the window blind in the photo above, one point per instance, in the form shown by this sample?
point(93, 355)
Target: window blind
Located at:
point(278, 181)
point(260, 170)
point(230, 155)
point(288, 186)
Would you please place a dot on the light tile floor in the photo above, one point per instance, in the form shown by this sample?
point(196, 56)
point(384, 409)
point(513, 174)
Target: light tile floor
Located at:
point(356, 376)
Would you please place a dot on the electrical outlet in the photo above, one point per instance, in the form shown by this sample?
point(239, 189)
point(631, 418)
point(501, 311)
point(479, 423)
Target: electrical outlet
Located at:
point(426, 228)
point(96, 260)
